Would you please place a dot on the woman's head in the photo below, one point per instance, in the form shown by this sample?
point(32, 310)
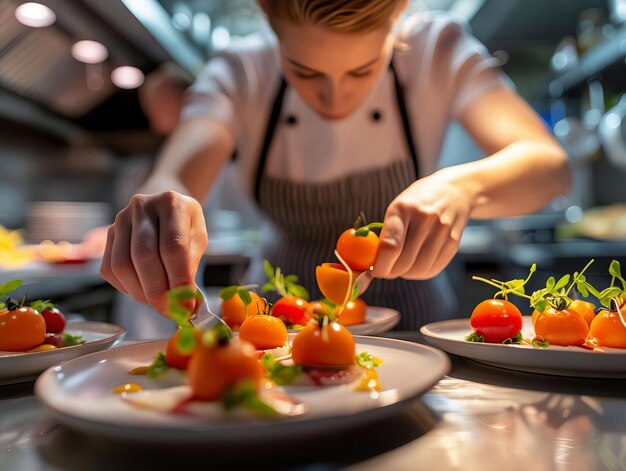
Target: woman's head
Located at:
point(332, 52)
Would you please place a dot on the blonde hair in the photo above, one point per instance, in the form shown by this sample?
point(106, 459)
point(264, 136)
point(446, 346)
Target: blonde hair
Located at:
point(342, 16)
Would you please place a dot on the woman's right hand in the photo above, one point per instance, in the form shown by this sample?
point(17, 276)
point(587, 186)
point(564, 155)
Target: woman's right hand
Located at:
point(155, 244)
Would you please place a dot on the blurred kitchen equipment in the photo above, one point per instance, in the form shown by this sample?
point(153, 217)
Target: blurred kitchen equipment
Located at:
point(565, 55)
point(593, 28)
point(618, 11)
point(612, 130)
point(601, 223)
point(64, 220)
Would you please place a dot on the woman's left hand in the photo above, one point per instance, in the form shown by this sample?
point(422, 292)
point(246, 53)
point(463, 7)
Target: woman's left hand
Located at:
point(422, 229)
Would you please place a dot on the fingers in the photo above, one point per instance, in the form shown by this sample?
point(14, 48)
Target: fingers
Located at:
point(155, 244)
point(392, 238)
point(105, 267)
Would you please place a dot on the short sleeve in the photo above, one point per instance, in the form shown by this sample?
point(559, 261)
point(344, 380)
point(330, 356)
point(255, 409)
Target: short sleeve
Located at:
point(229, 84)
point(459, 67)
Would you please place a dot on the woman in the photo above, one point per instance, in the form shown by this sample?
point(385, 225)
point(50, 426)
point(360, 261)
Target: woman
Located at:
point(342, 111)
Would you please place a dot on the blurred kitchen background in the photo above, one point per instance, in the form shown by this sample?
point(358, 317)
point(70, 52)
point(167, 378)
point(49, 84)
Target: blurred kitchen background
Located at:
point(76, 136)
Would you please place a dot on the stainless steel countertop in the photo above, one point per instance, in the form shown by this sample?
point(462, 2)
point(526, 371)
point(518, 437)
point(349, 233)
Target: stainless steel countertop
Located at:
point(478, 417)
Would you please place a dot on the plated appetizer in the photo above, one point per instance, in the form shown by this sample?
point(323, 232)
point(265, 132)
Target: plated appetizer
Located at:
point(212, 372)
point(556, 318)
point(34, 327)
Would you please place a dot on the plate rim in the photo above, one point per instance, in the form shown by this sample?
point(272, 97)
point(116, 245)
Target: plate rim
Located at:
point(477, 352)
point(216, 435)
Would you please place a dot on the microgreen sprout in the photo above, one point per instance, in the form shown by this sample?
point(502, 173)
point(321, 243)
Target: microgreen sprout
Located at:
point(284, 285)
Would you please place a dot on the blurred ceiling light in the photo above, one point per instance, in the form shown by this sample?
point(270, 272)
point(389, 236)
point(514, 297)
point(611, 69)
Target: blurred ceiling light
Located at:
point(35, 15)
point(220, 38)
point(89, 52)
point(127, 77)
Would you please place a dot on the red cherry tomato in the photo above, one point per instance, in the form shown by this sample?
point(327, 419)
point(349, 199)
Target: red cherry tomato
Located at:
point(496, 320)
point(54, 339)
point(55, 320)
point(292, 310)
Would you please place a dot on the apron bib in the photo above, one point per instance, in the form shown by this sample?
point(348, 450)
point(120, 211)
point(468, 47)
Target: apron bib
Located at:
point(309, 218)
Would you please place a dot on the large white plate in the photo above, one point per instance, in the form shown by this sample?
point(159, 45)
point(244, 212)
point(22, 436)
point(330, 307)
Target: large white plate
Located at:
point(79, 393)
point(20, 367)
point(563, 361)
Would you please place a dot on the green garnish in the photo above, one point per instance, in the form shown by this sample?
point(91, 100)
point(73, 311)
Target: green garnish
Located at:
point(474, 337)
point(242, 291)
point(509, 287)
point(368, 361)
point(279, 373)
point(363, 231)
point(244, 394)
point(540, 342)
point(175, 308)
point(284, 285)
point(41, 306)
point(7, 288)
point(70, 340)
point(613, 293)
point(516, 339)
point(219, 335)
point(158, 367)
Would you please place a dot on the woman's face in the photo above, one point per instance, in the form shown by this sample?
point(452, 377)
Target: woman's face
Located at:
point(332, 72)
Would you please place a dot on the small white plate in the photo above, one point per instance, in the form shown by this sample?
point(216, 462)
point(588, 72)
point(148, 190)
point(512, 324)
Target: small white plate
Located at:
point(18, 367)
point(377, 321)
point(554, 360)
point(79, 393)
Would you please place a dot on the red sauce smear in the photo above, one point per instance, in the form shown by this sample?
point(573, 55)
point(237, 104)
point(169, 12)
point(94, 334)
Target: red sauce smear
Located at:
point(333, 376)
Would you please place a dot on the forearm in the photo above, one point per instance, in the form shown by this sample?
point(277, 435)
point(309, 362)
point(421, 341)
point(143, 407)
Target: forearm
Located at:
point(191, 159)
point(519, 179)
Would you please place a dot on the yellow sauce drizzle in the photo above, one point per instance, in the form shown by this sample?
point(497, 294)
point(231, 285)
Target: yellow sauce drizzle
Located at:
point(368, 382)
point(139, 371)
point(127, 388)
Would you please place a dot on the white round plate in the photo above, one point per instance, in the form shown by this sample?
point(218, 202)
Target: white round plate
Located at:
point(17, 367)
point(377, 321)
point(79, 393)
point(554, 360)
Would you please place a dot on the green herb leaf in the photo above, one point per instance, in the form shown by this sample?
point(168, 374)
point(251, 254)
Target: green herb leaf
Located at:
point(474, 337)
point(228, 292)
point(291, 279)
point(179, 314)
point(297, 290)
point(70, 340)
point(217, 335)
point(562, 283)
point(158, 366)
point(9, 287)
point(615, 269)
point(244, 295)
point(269, 270)
point(186, 340)
point(582, 289)
point(550, 283)
point(279, 373)
point(516, 286)
point(182, 293)
point(267, 287)
point(541, 305)
point(540, 342)
point(41, 306)
point(367, 361)
point(244, 394)
point(516, 339)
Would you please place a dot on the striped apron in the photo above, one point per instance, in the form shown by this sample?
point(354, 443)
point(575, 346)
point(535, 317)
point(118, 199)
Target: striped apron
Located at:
point(309, 217)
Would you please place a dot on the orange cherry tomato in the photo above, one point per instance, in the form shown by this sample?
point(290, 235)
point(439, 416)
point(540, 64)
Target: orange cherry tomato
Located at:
point(292, 310)
point(311, 347)
point(234, 312)
point(21, 329)
point(359, 252)
point(334, 281)
point(353, 312)
point(565, 327)
point(264, 332)
point(585, 309)
point(213, 370)
point(173, 357)
point(496, 320)
point(607, 329)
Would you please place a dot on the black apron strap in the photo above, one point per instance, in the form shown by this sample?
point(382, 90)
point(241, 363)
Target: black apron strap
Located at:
point(269, 135)
point(406, 123)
